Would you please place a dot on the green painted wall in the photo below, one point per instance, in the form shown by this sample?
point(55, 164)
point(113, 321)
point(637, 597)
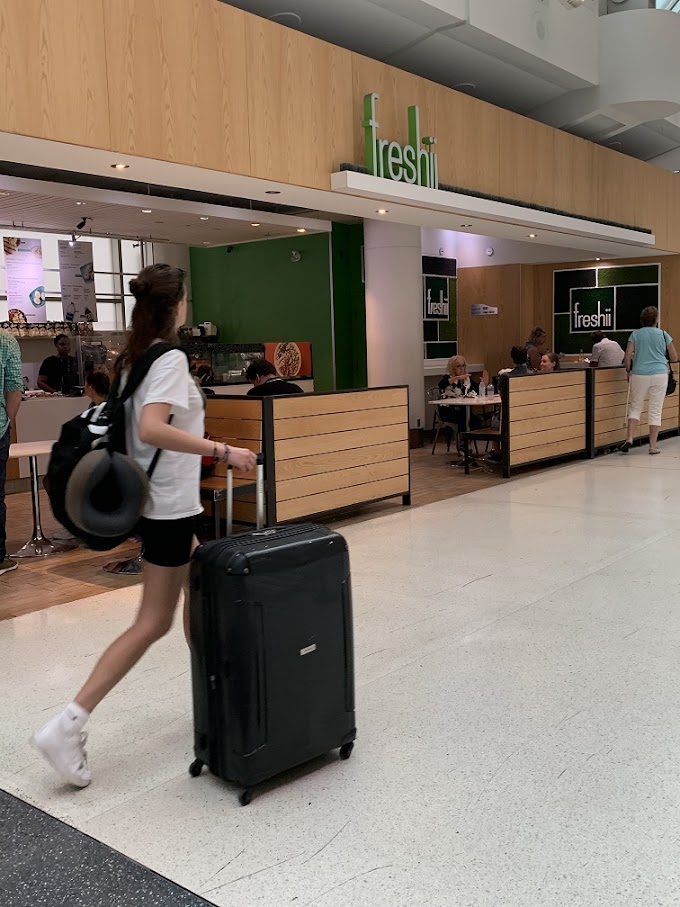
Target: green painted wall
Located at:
point(255, 293)
point(349, 303)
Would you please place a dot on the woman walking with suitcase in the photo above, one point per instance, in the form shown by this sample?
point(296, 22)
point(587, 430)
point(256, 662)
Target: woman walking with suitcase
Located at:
point(166, 413)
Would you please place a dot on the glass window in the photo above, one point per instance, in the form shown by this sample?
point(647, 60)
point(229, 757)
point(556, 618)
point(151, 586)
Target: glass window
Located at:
point(116, 262)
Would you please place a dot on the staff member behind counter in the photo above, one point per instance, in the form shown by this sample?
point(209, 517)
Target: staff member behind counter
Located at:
point(266, 382)
point(59, 374)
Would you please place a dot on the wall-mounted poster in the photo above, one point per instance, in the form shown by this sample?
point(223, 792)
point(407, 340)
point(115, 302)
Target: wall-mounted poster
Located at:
point(291, 360)
point(25, 279)
point(76, 272)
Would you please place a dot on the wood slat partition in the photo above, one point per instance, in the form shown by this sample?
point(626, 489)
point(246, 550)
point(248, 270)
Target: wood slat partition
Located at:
point(237, 421)
point(611, 396)
point(546, 417)
point(335, 450)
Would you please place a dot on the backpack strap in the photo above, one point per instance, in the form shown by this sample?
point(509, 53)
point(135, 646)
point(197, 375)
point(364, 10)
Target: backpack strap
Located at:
point(141, 369)
point(137, 374)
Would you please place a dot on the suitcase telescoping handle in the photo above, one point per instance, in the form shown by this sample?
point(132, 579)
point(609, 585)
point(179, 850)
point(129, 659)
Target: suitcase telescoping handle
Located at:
point(259, 496)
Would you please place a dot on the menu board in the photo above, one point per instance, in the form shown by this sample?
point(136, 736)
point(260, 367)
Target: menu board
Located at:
point(76, 272)
point(25, 279)
point(291, 360)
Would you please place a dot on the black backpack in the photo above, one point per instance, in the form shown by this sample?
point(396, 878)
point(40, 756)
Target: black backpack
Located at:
point(102, 428)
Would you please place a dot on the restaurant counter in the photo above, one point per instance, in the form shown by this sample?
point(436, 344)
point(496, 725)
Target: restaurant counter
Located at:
point(322, 452)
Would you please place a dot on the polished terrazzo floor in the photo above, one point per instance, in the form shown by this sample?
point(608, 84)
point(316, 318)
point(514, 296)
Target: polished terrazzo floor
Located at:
point(518, 714)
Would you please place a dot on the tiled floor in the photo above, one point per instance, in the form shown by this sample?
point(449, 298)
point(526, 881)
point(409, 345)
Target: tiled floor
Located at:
point(78, 574)
point(518, 715)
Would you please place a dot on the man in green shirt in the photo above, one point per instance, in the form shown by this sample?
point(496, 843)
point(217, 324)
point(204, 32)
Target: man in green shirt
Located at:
point(11, 386)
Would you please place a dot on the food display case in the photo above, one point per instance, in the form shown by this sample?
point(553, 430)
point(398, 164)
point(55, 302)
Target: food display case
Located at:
point(222, 366)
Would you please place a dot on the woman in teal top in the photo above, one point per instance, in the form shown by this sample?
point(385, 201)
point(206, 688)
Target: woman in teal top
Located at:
point(647, 356)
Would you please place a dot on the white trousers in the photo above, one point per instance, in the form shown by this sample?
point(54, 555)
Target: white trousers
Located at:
point(642, 386)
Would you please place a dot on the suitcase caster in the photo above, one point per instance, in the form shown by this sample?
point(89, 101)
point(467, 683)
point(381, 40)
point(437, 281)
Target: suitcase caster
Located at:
point(196, 768)
point(246, 798)
point(346, 750)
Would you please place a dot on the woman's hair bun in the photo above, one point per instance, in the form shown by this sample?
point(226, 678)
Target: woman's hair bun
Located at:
point(139, 287)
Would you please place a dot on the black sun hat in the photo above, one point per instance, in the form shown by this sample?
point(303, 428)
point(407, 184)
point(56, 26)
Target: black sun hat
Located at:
point(105, 494)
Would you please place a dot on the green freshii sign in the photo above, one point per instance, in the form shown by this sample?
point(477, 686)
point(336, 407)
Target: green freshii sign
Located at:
point(415, 163)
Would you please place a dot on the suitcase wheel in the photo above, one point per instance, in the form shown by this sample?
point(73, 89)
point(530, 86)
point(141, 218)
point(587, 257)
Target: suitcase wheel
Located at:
point(246, 797)
point(196, 768)
point(346, 750)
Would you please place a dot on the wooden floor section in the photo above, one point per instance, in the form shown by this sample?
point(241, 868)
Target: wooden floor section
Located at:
point(74, 575)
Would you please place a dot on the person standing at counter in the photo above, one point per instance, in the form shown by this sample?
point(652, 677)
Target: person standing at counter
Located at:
point(533, 346)
point(648, 353)
point(606, 352)
point(173, 503)
point(11, 386)
point(59, 374)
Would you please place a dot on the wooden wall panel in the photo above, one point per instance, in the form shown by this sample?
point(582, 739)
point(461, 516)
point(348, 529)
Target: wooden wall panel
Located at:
point(321, 404)
point(301, 111)
point(203, 83)
point(575, 175)
point(342, 459)
point(469, 135)
point(342, 497)
point(534, 437)
point(527, 164)
point(176, 72)
point(615, 179)
point(489, 338)
point(328, 455)
point(53, 71)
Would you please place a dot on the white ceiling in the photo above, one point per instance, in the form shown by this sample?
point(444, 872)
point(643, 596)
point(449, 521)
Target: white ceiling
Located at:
point(58, 208)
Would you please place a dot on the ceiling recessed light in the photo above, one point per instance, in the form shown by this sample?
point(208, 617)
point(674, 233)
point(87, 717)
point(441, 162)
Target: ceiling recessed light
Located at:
point(676, 171)
point(598, 259)
point(301, 230)
point(4, 194)
point(206, 243)
point(382, 211)
point(80, 203)
point(120, 166)
point(466, 225)
point(204, 217)
point(147, 211)
point(272, 192)
point(254, 225)
point(532, 236)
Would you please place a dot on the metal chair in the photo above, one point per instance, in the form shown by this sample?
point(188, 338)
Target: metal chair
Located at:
point(438, 424)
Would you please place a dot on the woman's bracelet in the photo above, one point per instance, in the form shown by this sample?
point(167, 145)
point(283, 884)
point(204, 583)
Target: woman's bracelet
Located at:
point(225, 457)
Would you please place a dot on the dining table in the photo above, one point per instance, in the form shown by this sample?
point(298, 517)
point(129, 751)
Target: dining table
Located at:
point(469, 403)
point(38, 545)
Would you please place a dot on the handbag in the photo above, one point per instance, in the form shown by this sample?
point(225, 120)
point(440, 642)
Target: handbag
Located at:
point(672, 383)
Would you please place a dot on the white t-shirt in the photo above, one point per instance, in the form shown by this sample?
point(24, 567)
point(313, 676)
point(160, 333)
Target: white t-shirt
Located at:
point(174, 490)
point(607, 353)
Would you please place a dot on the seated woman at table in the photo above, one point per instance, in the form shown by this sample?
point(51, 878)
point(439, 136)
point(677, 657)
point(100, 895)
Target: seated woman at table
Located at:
point(456, 382)
point(550, 362)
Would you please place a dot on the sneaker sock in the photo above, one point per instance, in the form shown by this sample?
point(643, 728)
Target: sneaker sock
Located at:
point(75, 716)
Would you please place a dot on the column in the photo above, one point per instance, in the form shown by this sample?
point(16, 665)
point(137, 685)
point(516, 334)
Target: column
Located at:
point(394, 310)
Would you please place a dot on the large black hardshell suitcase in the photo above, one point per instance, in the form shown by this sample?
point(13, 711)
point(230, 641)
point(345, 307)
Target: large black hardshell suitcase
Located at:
point(272, 652)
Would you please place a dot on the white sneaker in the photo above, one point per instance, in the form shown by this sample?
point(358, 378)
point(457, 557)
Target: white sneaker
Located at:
point(62, 742)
